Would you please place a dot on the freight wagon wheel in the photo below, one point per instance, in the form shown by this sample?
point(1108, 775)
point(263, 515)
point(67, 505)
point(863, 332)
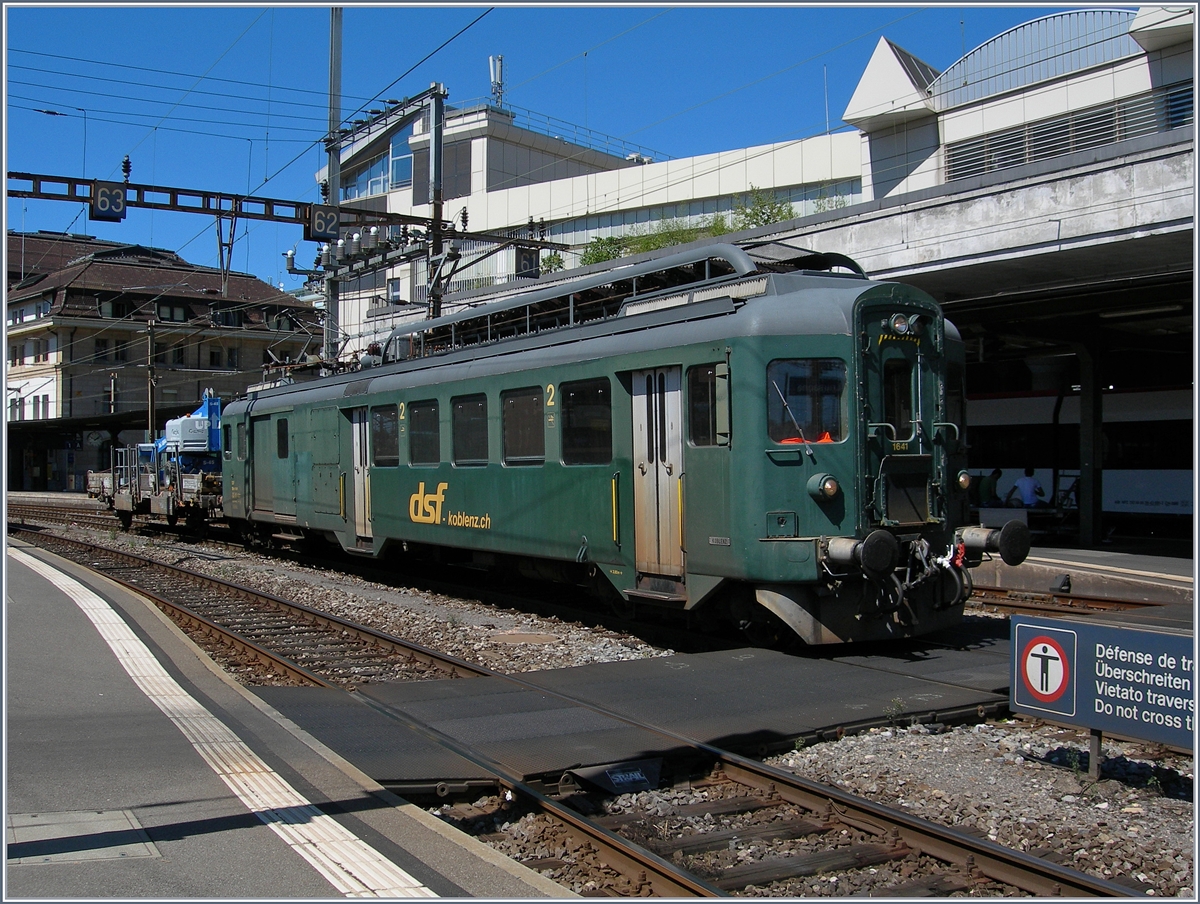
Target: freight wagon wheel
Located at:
point(172, 520)
point(126, 519)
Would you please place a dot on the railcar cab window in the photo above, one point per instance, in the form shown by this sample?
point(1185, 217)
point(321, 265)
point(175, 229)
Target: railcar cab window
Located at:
point(385, 436)
point(281, 438)
point(524, 432)
point(898, 396)
point(806, 400)
point(468, 427)
point(586, 422)
point(424, 433)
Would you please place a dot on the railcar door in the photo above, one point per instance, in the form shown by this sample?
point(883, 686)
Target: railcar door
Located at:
point(362, 475)
point(262, 474)
point(658, 471)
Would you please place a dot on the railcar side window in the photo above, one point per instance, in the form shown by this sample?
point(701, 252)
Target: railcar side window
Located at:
point(281, 438)
point(806, 400)
point(523, 426)
point(226, 442)
point(385, 436)
point(586, 422)
point(241, 442)
point(708, 405)
point(898, 396)
point(424, 433)
point(469, 429)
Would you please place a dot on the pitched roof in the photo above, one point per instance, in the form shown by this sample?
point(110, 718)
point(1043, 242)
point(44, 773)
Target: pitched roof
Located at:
point(893, 89)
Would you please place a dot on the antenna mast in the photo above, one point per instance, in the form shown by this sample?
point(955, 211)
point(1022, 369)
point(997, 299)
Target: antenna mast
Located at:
point(496, 69)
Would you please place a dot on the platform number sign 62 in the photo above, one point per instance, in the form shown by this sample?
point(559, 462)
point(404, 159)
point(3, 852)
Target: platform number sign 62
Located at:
point(323, 223)
point(108, 201)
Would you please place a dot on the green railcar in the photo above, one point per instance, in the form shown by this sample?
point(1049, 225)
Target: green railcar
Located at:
point(771, 442)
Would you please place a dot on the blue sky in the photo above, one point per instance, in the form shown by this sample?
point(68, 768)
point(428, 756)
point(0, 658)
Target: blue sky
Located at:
point(234, 99)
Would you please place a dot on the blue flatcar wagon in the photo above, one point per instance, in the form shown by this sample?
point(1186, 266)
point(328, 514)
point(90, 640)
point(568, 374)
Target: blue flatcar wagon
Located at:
point(778, 442)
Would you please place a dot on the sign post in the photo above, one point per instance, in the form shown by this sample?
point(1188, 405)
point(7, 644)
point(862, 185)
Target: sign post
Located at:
point(1129, 681)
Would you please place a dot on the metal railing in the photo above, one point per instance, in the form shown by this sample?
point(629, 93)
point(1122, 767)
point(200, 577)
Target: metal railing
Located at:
point(1144, 114)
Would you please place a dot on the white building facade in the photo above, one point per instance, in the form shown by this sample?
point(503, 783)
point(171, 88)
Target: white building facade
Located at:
point(1047, 88)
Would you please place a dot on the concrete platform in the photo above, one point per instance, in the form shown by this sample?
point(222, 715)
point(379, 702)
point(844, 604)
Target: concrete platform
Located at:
point(137, 769)
point(1100, 573)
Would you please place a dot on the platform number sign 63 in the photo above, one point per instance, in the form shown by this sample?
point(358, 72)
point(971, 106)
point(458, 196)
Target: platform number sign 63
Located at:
point(108, 201)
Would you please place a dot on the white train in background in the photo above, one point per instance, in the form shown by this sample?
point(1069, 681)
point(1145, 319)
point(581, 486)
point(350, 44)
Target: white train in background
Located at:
point(1147, 459)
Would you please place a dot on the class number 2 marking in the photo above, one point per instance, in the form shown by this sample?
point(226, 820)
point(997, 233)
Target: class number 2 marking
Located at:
point(549, 395)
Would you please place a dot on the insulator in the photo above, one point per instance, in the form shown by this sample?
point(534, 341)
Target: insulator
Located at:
point(325, 258)
point(355, 248)
point(340, 249)
point(126, 167)
point(464, 219)
point(541, 228)
point(371, 239)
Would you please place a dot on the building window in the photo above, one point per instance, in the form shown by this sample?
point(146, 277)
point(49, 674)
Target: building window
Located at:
point(227, 317)
point(231, 358)
point(120, 351)
point(393, 292)
point(424, 437)
point(15, 357)
point(179, 354)
point(586, 422)
point(385, 436)
point(524, 432)
point(469, 430)
point(214, 356)
point(100, 350)
point(45, 407)
point(14, 409)
point(172, 313)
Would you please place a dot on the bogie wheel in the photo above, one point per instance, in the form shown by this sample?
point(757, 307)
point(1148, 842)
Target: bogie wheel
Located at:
point(759, 625)
point(126, 519)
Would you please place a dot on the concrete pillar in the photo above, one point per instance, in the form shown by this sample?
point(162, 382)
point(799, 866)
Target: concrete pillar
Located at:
point(1091, 451)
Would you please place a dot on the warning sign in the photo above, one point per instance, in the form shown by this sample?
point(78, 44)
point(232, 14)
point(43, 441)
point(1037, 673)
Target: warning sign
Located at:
point(1045, 669)
point(1120, 680)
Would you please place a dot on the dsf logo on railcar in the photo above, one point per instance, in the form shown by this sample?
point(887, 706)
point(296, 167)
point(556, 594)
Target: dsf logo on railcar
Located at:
point(426, 508)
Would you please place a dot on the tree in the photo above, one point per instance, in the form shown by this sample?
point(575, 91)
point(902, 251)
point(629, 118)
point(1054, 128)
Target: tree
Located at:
point(552, 262)
point(764, 208)
point(602, 249)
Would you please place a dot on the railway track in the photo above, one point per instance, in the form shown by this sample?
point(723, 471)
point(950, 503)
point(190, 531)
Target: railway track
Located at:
point(1049, 604)
point(837, 831)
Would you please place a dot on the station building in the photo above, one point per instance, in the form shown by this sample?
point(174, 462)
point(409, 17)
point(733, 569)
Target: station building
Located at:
point(1043, 91)
point(95, 327)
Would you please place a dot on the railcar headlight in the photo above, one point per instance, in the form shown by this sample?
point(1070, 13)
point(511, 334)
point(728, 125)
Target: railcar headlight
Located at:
point(899, 324)
point(823, 486)
point(916, 324)
point(964, 480)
